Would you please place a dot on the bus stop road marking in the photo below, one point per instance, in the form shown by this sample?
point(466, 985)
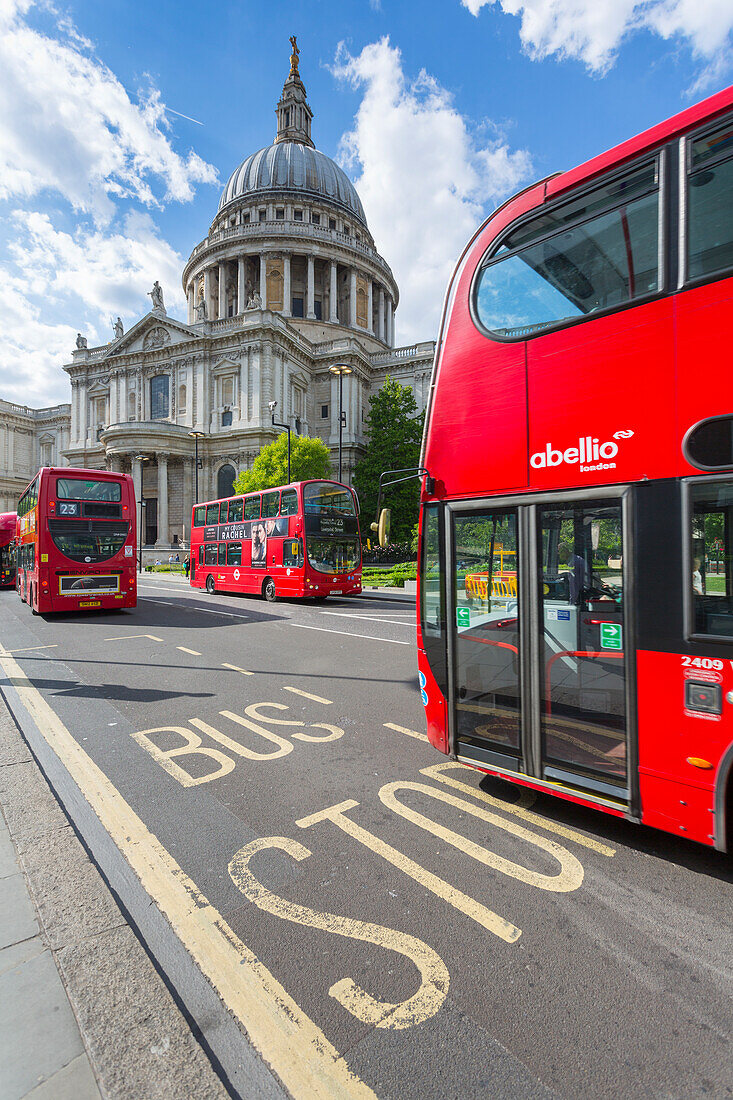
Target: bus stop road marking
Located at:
point(236, 668)
point(410, 733)
point(129, 637)
point(297, 1050)
point(307, 695)
point(193, 652)
point(348, 634)
point(28, 648)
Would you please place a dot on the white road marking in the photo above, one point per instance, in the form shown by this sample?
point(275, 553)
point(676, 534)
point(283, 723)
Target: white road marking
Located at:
point(307, 695)
point(348, 634)
point(193, 652)
point(128, 637)
point(236, 668)
point(366, 618)
point(203, 610)
point(28, 648)
point(403, 729)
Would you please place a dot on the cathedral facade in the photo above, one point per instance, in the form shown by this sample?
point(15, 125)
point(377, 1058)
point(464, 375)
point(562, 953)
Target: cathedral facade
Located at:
point(290, 318)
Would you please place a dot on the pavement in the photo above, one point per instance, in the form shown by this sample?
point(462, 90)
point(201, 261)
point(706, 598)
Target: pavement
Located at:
point(83, 1012)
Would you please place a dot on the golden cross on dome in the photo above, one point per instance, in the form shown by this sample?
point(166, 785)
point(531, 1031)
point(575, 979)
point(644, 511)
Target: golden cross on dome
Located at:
point(294, 56)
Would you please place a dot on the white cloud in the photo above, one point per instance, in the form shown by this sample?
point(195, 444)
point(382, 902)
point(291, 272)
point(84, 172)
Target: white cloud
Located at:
point(68, 125)
point(592, 30)
point(425, 180)
point(90, 277)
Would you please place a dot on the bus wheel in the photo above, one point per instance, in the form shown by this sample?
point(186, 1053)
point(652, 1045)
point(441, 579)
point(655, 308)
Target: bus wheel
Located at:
point(268, 590)
point(210, 585)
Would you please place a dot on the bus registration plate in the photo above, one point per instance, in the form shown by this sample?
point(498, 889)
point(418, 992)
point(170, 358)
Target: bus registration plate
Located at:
point(90, 603)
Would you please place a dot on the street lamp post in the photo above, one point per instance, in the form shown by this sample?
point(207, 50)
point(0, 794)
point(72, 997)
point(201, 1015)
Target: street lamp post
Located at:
point(341, 369)
point(141, 459)
point(276, 424)
point(196, 437)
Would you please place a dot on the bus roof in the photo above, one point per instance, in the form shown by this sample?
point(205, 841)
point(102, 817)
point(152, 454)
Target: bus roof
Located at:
point(649, 139)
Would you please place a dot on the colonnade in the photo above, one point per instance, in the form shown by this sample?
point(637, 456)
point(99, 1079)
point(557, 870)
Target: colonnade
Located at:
point(227, 280)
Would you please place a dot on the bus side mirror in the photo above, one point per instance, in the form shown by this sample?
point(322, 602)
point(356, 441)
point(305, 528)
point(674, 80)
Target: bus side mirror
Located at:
point(381, 529)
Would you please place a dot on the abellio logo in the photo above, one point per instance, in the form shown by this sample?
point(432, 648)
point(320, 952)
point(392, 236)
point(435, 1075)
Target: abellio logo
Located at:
point(589, 453)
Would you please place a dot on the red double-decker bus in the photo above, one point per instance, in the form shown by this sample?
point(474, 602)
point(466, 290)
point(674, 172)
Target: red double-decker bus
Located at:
point(76, 541)
point(8, 521)
point(301, 540)
point(575, 628)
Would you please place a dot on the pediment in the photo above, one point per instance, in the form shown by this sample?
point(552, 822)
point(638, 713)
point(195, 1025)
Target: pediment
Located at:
point(152, 333)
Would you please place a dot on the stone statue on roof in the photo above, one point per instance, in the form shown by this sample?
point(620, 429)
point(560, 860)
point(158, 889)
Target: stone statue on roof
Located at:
point(81, 341)
point(156, 294)
point(119, 329)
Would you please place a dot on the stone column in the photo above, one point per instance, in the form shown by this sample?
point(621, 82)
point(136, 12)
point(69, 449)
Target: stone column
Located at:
point(390, 322)
point(191, 303)
point(256, 368)
point(370, 306)
point(222, 310)
point(334, 408)
point(287, 293)
point(84, 414)
point(380, 325)
point(207, 294)
point(263, 279)
point(352, 297)
point(310, 290)
point(163, 533)
point(333, 296)
point(200, 382)
point(241, 285)
point(243, 386)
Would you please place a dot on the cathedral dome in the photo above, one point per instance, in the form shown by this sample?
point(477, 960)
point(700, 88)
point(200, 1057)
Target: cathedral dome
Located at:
point(289, 165)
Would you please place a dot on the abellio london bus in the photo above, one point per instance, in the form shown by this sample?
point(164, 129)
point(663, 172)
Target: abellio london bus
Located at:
point(76, 541)
point(301, 540)
point(575, 628)
point(8, 521)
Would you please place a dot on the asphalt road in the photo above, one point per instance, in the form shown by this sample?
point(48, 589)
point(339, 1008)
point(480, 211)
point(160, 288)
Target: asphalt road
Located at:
point(427, 937)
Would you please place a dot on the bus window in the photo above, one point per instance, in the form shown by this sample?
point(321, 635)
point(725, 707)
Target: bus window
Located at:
point(293, 552)
point(710, 193)
point(289, 505)
point(212, 514)
point(210, 553)
point(199, 515)
point(270, 505)
point(252, 507)
point(202, 548)
point(564, 264)
point(222, 560)
point(711, 587)
point(68, 488)
point(234, 553)
point(328, 499)
point(236, 509)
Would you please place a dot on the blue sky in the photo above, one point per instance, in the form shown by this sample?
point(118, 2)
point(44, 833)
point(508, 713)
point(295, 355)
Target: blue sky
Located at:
point(437, 111)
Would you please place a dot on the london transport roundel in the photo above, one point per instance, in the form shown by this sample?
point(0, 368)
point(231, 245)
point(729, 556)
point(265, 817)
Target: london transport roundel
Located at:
point(236, 574)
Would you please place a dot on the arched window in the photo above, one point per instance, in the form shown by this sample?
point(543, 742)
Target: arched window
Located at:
point(159, 402)
point(225, 481)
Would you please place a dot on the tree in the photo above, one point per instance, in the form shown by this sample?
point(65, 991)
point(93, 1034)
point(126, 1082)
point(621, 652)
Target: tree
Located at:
point(394, 431)
point(309, 458)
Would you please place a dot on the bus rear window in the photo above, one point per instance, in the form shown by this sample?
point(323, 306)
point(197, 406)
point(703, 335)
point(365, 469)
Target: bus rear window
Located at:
point(72, 488)
point(329, 499)
point(598, 252)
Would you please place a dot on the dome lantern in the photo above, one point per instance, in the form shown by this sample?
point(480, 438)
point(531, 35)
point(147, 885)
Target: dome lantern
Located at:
point(294, 115)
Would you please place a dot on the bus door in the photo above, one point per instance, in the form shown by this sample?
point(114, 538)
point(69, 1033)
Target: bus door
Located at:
point(539, 643)
point(582, 645)
point(488, 719)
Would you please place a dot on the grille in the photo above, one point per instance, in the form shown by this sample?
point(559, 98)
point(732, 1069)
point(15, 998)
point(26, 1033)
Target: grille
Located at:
point(87, 527)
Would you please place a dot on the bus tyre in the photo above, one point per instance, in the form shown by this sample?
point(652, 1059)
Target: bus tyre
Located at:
point(268, 590)
point(210, 588)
